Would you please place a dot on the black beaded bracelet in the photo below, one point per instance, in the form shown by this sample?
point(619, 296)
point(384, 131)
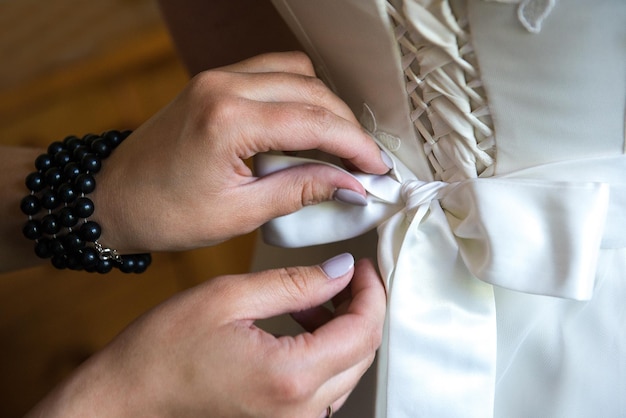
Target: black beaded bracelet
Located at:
point(58, 209)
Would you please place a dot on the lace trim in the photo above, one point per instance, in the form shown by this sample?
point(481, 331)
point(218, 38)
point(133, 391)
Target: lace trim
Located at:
point(531, 13)
point(449, 109)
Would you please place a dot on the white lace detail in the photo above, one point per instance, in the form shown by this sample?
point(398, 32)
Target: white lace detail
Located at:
point(531, 13)
point(449, 109)
point(368, 120)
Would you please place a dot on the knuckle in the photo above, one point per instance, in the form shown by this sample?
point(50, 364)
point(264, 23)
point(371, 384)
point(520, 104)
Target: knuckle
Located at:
point(205, 81)
point(288, 61)
point(315, 89)
point(302, 189)
point(220, 111)
point(301, 61)
point(295, 283)
point(210, 100)
point(289, 387)
point(312, 193)
point(321, 119)
point(225, 108)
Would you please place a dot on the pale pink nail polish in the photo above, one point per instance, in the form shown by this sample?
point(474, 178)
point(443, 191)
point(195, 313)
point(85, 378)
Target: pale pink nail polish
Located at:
point(338, 265)
point(349, 196)
point(386, 159)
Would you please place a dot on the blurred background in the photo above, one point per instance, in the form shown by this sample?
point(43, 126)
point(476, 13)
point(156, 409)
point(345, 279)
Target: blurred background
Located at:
point(75, 67)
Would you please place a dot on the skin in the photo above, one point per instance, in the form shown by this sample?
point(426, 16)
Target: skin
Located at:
point(223, 117)
point(199, 353)
point(283, 107)
point(174, 362)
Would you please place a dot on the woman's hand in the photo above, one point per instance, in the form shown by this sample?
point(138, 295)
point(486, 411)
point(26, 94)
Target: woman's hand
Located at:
point(180, 180)
point(200, 354)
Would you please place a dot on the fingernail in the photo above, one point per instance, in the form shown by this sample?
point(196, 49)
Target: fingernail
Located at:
point(349, 196)
point(386, 159)
point(338, 265)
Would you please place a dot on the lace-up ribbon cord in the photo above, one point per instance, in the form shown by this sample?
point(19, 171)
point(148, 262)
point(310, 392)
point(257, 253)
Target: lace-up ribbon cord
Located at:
point(450, 111)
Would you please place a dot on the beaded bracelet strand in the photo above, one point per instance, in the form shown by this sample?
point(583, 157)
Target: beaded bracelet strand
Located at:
point(58, 209)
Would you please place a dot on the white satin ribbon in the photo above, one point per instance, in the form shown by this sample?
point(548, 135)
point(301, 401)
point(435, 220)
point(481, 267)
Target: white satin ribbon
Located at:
point(531, 231)
point(550, 231)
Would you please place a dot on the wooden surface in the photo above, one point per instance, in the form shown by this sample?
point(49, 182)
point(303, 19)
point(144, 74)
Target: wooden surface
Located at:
point(72, 67)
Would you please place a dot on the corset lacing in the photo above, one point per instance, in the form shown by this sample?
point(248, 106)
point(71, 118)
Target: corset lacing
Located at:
point(449, 109)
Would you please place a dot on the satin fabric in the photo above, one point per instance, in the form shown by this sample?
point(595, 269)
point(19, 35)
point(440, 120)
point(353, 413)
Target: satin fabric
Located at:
point(532, 236)
point(524, 234)
point(469, 264)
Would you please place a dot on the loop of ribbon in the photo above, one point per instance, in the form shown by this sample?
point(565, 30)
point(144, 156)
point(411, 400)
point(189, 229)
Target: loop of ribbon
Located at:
point(441, 248)
point(551, 231)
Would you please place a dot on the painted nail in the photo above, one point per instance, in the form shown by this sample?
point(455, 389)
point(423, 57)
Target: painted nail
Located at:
point(350, 196)
point(386, 159)
point(338, 265)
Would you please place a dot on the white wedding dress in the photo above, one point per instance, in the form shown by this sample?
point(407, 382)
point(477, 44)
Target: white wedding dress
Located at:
point(501, 231)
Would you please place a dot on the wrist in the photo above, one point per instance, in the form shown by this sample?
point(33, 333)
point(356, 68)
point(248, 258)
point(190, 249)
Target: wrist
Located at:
point(59, 208)
point(97, 388)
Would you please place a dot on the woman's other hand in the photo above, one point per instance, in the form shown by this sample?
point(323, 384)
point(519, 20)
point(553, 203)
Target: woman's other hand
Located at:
point(200, 353)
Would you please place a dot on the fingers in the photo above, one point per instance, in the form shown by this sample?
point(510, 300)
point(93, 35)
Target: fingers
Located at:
point(291, 62)
point(286, 87)
point(338, 354)
point(291, 88)
point(290, 112)
point(320, 368)
point(300, 126)
point(289, 190)
point(283, 77)
point(286, 108)
point(354, 336)
point(291, 289)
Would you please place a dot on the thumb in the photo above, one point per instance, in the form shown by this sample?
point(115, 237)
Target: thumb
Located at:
point(292, 289)
point(288, 190)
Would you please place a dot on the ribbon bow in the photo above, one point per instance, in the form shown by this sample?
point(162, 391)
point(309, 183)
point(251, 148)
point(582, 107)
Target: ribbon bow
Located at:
point(441, 248)
point(533, 236)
